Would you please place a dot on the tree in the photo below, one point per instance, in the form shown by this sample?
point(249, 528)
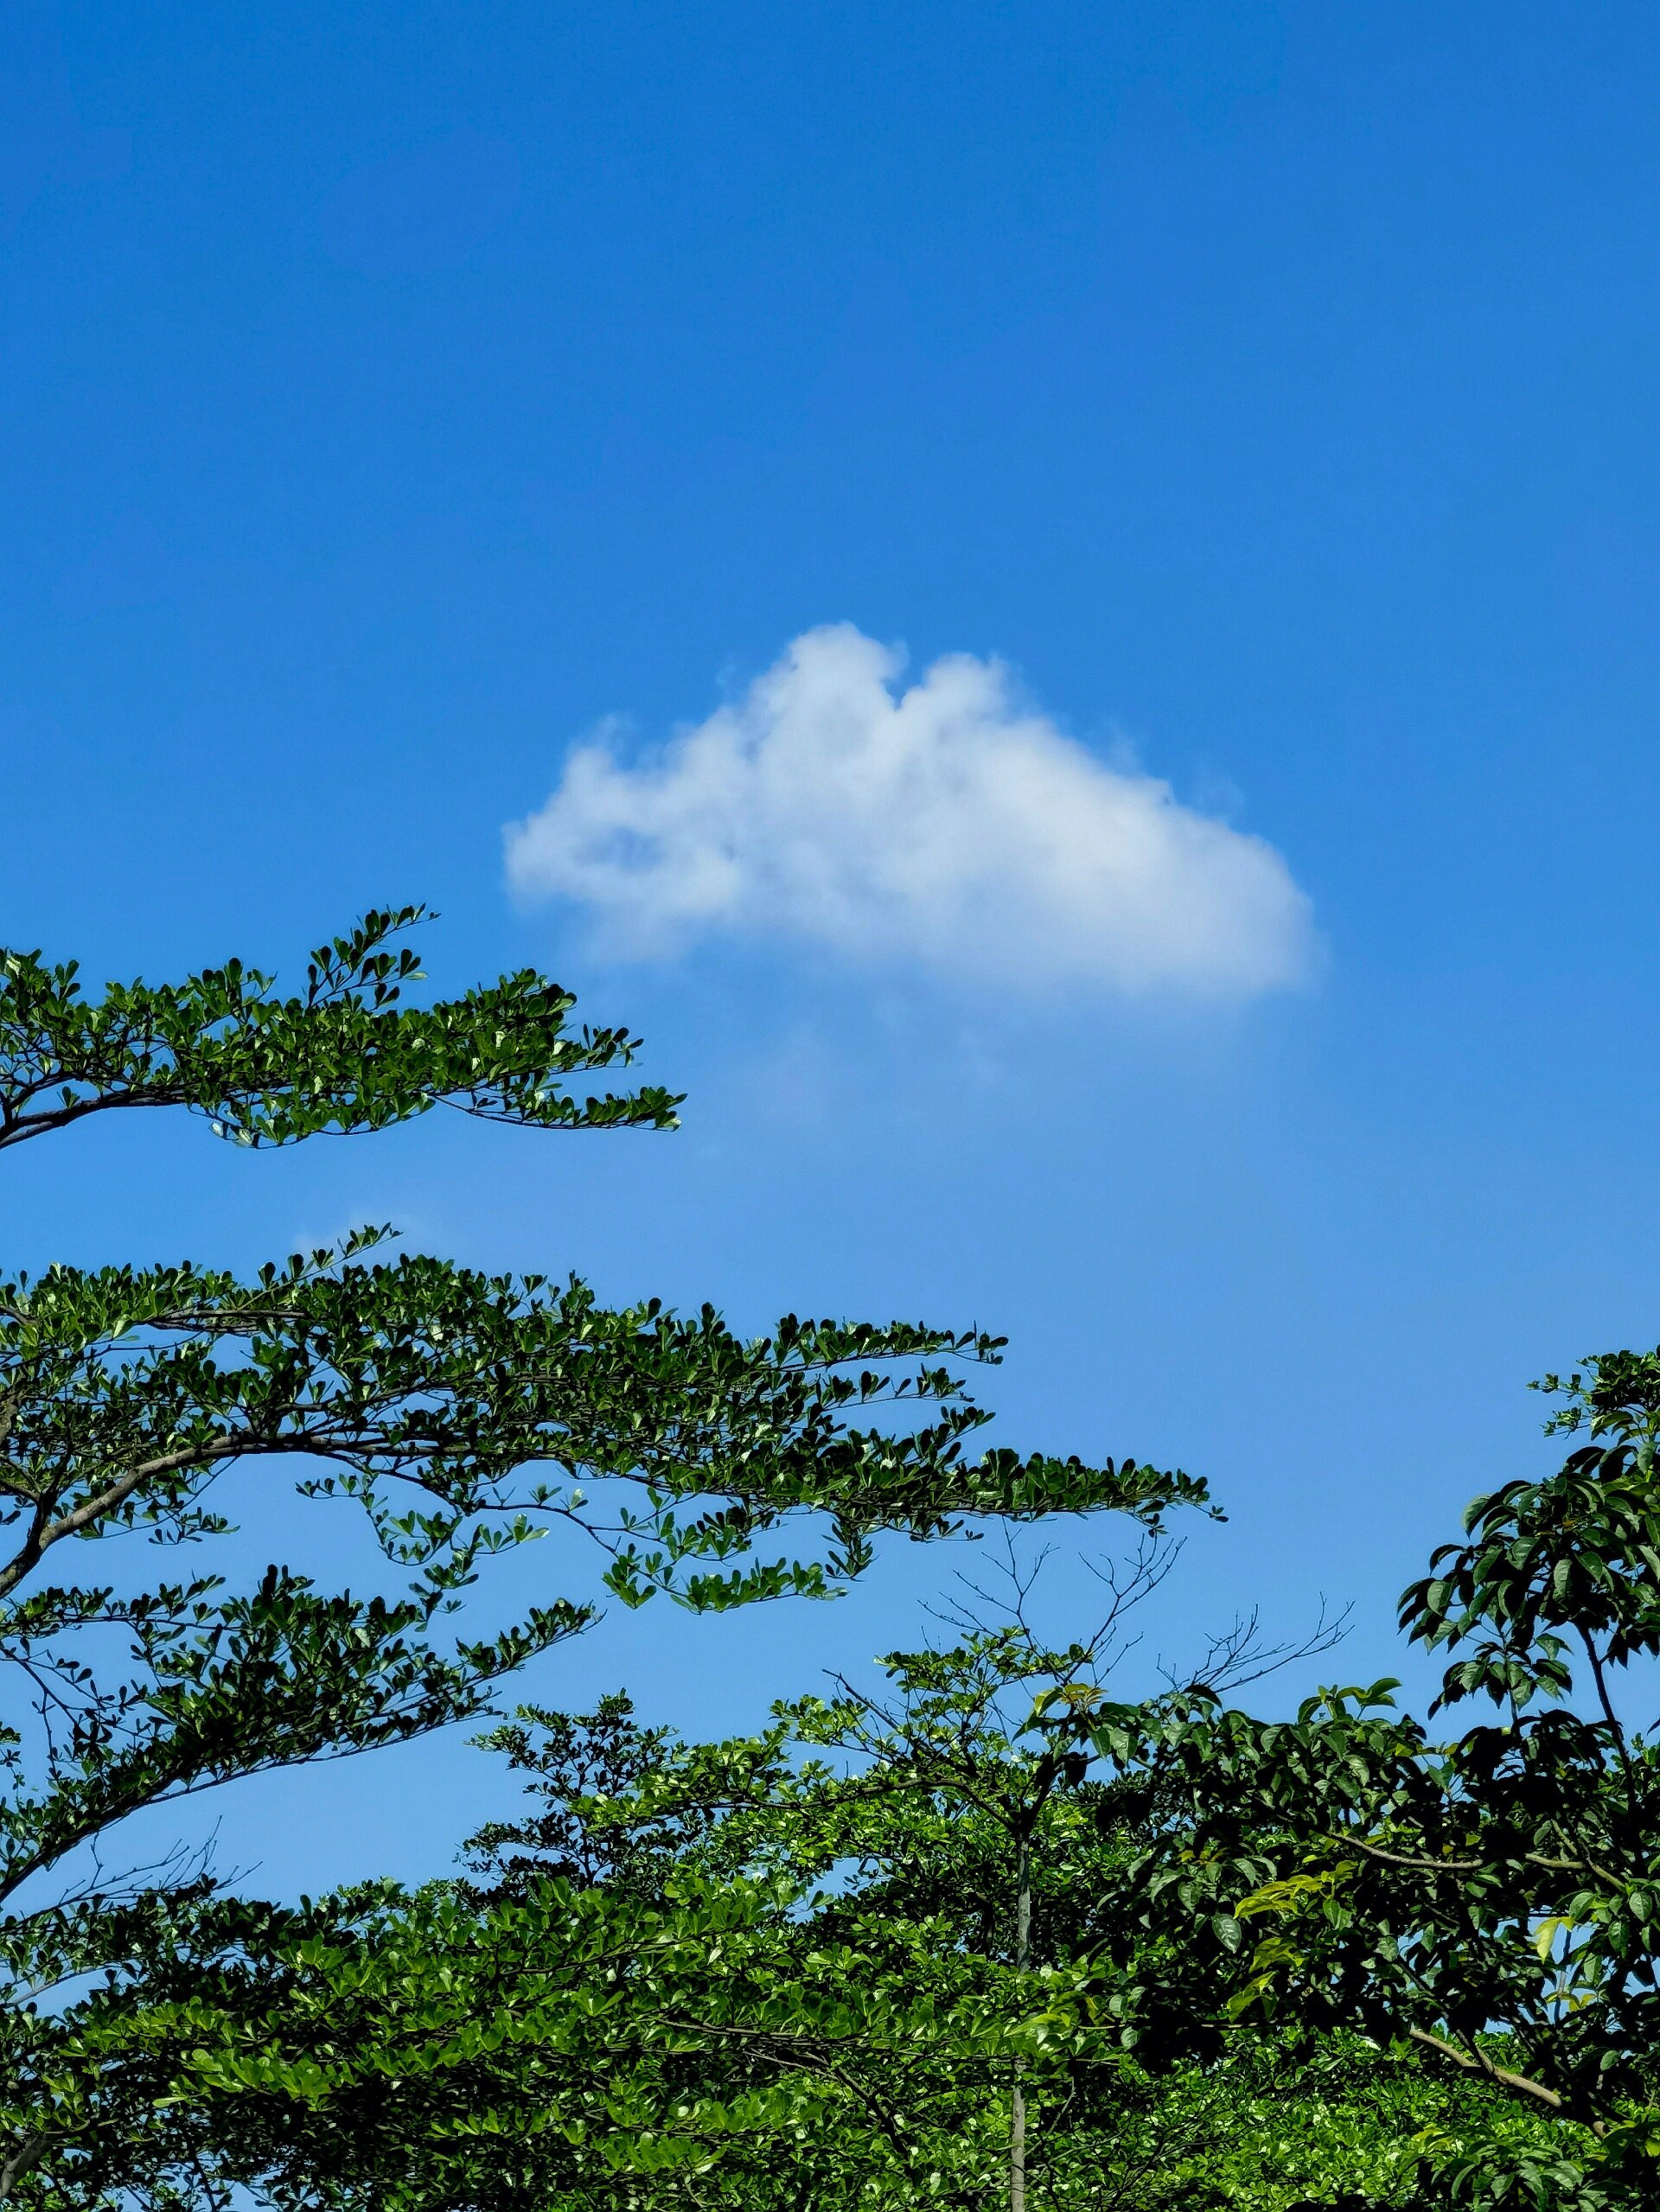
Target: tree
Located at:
point(728, 1974)
point(464, 1413)
point(1489, 1897)
point(747, 1975)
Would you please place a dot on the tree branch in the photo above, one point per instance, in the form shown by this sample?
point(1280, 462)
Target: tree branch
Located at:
point(1479, 2063)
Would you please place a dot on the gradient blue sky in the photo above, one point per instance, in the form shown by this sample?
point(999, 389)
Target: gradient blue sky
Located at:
point(388, 392)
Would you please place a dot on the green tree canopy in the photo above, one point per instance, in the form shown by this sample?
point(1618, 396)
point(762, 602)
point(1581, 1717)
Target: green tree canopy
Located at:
point(853, 1961)
point(1489, 1893)
point(465, 1413)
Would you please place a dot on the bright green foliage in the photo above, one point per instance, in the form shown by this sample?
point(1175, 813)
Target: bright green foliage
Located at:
point(569, 2047)
point(743, 1975)
point(464, 1414)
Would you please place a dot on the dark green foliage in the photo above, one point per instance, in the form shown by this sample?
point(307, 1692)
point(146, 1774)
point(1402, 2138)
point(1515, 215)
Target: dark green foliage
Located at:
point(1493, 1895)
point(463, 1413)
point(345, 1055)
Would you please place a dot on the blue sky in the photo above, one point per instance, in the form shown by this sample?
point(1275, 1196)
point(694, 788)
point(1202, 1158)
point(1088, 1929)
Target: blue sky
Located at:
point(390, 394)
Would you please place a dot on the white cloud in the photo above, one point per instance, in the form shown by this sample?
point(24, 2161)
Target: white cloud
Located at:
point(945, 825)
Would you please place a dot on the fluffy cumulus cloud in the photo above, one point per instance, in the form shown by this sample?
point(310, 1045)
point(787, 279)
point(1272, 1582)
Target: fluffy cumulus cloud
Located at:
point(943, 823)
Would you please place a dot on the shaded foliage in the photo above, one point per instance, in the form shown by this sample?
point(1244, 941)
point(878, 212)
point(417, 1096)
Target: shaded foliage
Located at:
point(1492, 1894)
